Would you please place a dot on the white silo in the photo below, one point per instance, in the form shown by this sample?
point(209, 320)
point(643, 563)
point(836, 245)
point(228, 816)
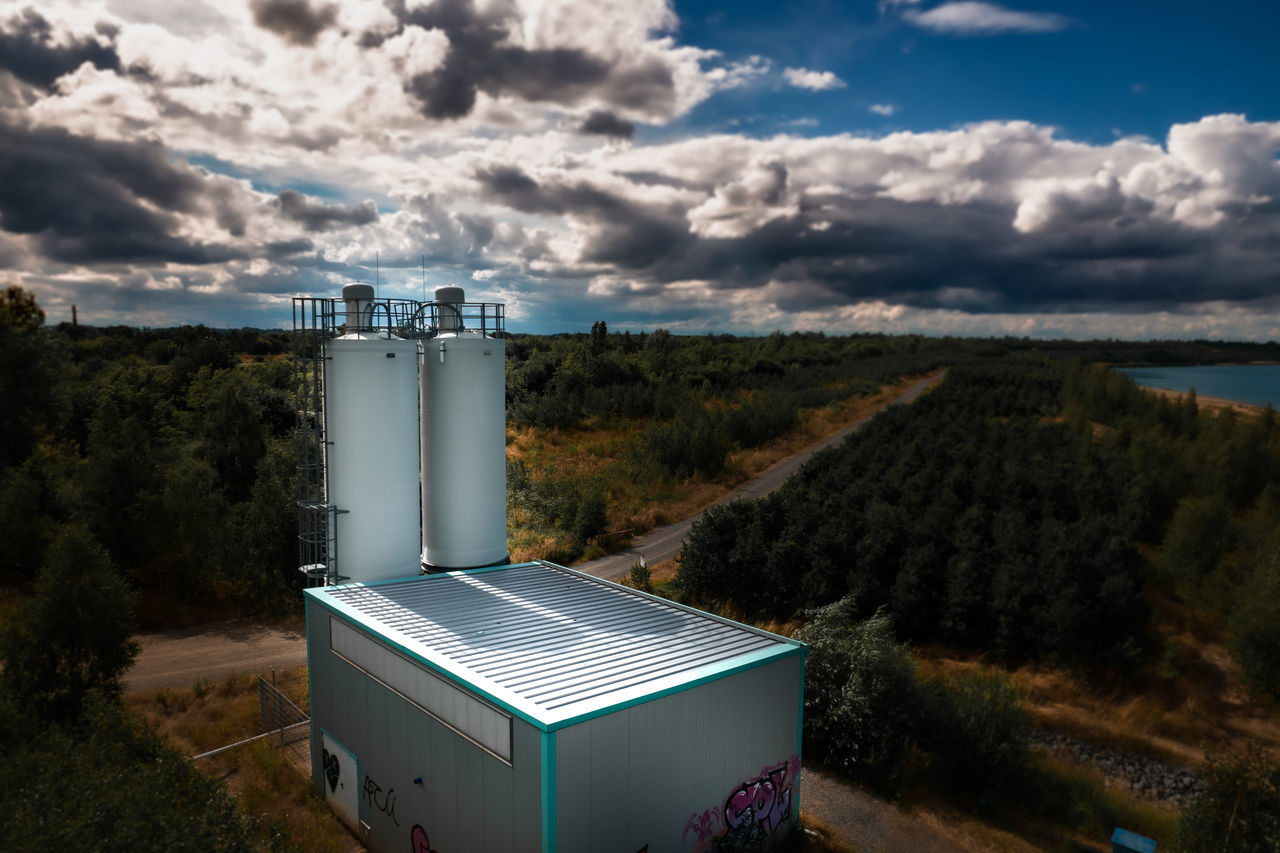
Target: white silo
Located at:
point(462, 382)
point(371, 427)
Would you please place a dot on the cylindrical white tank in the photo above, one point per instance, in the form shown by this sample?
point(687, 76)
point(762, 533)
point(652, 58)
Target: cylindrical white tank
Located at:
point(371, 425)
point(462, 381)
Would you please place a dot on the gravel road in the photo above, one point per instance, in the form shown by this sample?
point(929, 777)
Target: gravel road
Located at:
point(215, 652)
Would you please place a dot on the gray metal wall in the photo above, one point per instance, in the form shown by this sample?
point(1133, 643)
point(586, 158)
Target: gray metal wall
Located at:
point(717, 764)
point(468, 801)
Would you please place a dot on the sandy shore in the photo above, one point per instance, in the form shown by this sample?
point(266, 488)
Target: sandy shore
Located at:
point(1207, 402)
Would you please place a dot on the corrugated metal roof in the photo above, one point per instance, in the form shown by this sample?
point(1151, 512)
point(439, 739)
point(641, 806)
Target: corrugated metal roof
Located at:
point(551, 643)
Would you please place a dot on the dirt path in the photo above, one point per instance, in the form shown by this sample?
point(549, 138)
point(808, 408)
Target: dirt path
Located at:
point(215, 652)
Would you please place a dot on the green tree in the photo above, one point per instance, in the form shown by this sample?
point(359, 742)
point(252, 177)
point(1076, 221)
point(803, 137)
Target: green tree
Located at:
point(1199, 535)
point(226, 412)
point(1255, 630)
point(108, 784)
point(859, 688)
point(74, 638)
point(30, 376)
point(1239, 810)
point(262, 553)
point(978, 730)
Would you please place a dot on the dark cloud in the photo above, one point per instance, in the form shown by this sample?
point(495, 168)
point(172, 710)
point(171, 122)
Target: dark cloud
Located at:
point(29, 52)
point(285, 248)
point(832, 250)
point(86, 199)
point(293, 20)
point(657, 179)
point(601, 123)
point(446, 236)
point(512, 187)
point(645, 86)
point(623, 231)
point(314, 216)
point(481, 59)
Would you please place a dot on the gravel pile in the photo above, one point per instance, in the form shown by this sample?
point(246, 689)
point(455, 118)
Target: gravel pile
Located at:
point(1144, 777)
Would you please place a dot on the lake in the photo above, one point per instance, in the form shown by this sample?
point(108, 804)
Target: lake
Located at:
point(1255, 384)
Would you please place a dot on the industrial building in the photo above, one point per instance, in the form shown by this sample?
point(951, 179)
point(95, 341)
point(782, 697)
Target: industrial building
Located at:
point(483, 706)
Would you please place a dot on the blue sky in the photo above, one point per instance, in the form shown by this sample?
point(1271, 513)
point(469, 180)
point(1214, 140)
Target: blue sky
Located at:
point(1133, 67)
point(1082, 169)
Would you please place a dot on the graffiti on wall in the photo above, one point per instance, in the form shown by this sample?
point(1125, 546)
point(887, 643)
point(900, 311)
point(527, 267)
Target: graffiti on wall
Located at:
point(378, 801)
point(419, 843)
point(704, 826)
point(332, 769)
point(751, 814)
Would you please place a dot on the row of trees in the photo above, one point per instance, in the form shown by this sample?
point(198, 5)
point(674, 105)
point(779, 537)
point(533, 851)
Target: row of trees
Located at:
point(969, 516)
point(163, 448)
point(1210, 488)
point(569, 380)
point(1004, 512)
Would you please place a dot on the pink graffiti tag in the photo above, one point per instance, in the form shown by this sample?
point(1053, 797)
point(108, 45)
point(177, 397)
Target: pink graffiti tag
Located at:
point(765, 801)
point(421, 844)
point(704, 826)
point(752, 811)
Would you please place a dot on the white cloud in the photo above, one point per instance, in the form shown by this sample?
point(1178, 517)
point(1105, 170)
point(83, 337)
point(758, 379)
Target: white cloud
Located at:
point(986, 228)
point(968, 18)
point(803, 78)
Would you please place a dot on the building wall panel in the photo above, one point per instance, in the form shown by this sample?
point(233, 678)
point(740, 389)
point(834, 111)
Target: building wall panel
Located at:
point(718, 763)
point(468, 800)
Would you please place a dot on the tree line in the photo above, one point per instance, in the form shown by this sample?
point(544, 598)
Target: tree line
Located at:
point(166, 448)
point(1005, 511)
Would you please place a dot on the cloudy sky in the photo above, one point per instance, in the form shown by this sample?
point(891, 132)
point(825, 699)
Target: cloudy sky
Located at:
point(1043, 167)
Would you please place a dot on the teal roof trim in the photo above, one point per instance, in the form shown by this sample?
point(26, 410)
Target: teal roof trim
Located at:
point(713, 673)
point(550, 645)
point(550, 797)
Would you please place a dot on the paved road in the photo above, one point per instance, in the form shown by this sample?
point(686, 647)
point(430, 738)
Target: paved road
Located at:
point(663, 543)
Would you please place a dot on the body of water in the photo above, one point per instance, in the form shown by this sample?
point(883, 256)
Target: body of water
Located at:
point(1255, 384)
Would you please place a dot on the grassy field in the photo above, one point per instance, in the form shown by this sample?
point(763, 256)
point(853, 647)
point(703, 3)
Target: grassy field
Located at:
point(269, 782)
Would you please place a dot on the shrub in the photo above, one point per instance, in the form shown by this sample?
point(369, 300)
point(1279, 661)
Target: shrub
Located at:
point(859, 687)
point(978, 730)
point(1239, 809)
point(109, 784)
point(74, 638)
point(640, 578)
point(591, 515)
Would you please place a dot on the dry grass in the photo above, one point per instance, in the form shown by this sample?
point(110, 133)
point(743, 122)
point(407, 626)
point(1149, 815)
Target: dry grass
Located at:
point(267, 785)
point(1186, 704)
